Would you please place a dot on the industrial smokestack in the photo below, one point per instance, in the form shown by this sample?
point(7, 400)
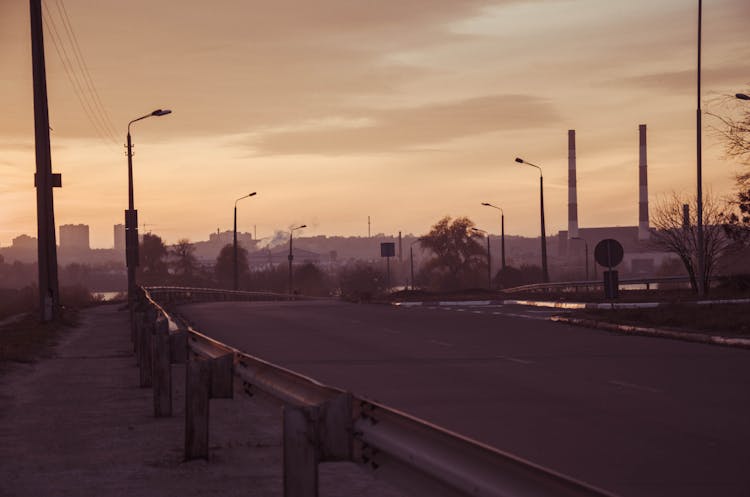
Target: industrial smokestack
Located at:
point(572, 193)
point(643, 233)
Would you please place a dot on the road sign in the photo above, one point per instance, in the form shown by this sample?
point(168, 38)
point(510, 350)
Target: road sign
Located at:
point(387, 249)
point(608, 253)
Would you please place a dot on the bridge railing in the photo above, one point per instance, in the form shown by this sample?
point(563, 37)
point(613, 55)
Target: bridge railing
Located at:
point(323, 423)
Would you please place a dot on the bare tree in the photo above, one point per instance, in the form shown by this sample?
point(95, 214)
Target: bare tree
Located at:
point(184, 262)
point(676, 233)
point(733, 118)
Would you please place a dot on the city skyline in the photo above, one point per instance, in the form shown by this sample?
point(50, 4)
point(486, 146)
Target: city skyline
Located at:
point(333, 113)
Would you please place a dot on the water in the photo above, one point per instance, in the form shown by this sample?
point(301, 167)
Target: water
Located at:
point(107, 296)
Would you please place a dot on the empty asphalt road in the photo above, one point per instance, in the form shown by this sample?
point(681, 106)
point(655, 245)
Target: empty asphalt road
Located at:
point(634, 415)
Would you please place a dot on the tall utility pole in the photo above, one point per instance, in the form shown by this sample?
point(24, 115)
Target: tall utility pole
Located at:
point(368, 227)
point(699, 176)
point(44, 180)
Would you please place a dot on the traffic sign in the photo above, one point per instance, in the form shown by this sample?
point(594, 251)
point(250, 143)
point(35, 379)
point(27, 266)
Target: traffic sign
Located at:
point(608, 253)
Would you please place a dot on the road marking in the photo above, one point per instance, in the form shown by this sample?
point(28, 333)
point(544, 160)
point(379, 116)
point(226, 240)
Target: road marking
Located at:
point(626, 384)
point(514, 359)
point(477, 312)
point(497, 313)
point(443, 344)
point(460, 310)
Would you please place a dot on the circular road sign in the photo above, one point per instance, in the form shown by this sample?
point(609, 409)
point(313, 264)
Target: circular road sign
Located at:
point(608, 252)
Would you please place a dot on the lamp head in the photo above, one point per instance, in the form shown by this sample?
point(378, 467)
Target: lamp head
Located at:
point(161, 112)
point(486, 204)
point(252, 194)
point(742, 96)
point(519, 160)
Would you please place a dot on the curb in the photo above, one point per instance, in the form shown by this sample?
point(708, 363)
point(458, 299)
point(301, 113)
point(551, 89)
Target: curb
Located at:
point(655, 332)
point(565, 305)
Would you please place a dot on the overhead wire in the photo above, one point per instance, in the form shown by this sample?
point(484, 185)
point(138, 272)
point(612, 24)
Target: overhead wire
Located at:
point(93, 113)
point(104, 114)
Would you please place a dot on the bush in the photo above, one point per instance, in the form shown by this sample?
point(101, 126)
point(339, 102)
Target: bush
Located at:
point(361, 281)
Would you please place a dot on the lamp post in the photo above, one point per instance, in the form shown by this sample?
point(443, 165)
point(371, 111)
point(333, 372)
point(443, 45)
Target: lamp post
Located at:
point(586, 257)
point(236, 276)
point(545, 273)
point(131, 215)
point(502, 232)
point(291, 258)
point(411, 260)
point(489, 257)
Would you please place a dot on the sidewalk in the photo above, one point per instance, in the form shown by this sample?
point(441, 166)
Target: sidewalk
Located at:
point(78, 425)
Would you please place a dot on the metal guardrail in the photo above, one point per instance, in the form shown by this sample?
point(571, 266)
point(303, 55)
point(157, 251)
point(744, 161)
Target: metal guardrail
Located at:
point(647, 282)
point(171, 294)
point(323, 423)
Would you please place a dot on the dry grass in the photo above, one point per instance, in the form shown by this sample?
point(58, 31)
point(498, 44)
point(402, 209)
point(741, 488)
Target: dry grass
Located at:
point(720, 319)
point(27, 339)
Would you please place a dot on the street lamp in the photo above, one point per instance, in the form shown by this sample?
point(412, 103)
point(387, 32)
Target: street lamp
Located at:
point(291, 257)
point(411, 260)
point(236, 277)
point(131, 215)
point(489, 259)
point(545, 273)
point(586, 259)
point(699, 161)
point(502, 232)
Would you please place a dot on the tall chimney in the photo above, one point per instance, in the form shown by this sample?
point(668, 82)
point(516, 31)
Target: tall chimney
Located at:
point(572, 194)
point(643, 233)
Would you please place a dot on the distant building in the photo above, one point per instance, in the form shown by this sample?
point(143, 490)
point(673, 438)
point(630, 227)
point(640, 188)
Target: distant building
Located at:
point(24, 242)
point(74, 236)
point(119, 231)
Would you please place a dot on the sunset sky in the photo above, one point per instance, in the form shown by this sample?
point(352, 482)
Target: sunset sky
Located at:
point(334, 110)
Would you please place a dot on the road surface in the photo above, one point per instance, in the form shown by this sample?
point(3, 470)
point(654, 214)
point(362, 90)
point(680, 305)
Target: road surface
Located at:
point(637, 416)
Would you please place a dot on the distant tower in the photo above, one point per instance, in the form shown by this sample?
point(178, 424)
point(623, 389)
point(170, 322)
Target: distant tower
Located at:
point(74, 236)
point(119, 237)
point(572, 190)
point(643, 233)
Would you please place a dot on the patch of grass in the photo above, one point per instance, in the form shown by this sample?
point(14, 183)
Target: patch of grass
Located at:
point(719, 319)
point(28, 339)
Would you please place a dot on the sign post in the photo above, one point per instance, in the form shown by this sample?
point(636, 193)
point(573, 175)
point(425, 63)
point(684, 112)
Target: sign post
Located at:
point(388, 250)
point(609, 253)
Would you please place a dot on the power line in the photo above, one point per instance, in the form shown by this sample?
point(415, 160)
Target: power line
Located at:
point(92, 114)
point(106, 118)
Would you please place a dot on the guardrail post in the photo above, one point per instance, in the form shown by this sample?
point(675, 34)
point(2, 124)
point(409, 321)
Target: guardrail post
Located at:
point(144, 347)
point(301, 452)
point(196, 408)
point(135, 331)
point(162, 369)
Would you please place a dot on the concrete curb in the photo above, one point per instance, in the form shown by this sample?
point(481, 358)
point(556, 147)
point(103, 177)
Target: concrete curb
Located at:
point(655, 332)
point(563, 305)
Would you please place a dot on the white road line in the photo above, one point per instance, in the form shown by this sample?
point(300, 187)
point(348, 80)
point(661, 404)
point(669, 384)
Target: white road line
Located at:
point(626, 384)
point(514, 359)
point(442, 344)
point(497, 313)
point(477, 312)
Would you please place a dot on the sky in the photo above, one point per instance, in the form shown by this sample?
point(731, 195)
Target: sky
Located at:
point(335, 110)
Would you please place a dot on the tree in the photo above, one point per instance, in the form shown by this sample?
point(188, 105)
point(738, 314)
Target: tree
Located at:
point(734, 131)
point(672, 234)
point(184, 261)
point(458, 257)
point(224, 268)
point(153, 266)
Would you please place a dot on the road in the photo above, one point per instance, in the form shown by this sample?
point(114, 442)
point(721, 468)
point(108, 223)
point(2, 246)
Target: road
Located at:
point(637, 416)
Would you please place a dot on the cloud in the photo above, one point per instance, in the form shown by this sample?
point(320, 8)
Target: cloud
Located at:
point(401, 129)
point(683, 81)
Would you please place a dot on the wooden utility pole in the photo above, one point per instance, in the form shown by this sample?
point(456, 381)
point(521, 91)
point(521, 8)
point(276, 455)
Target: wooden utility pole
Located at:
point(44, 180)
